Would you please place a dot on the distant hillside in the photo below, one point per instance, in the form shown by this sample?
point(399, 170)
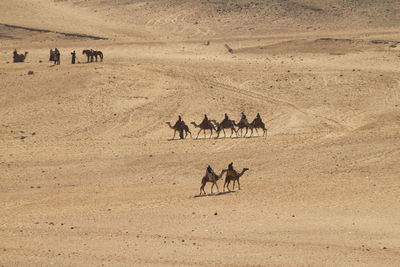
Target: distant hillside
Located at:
point(187, 19)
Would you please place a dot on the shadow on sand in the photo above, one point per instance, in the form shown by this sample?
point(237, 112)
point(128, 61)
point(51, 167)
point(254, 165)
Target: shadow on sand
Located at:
point(214, 195)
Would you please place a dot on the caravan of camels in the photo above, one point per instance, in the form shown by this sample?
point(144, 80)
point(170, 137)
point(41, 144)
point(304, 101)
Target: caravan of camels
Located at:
point(214, 126)
point(242, 128)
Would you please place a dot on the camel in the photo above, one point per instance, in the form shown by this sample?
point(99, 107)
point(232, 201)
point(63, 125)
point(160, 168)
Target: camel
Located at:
point(205, 125)
point(210, 178)
point(243, 124)
point(182, 127)
point(257, 123)
point(19, 57)
point(225, 124)
point(232, 175)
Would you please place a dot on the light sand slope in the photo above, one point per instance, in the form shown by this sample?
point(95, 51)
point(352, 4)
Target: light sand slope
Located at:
point(90, 177)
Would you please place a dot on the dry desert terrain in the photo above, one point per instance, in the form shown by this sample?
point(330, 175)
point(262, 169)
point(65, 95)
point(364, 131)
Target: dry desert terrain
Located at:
point(89, 175)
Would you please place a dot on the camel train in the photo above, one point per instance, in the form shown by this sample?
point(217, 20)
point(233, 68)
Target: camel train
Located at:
point(212, 177)
point(226, 124)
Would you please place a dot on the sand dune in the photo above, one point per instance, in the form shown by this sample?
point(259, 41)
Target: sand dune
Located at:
point(90, 176)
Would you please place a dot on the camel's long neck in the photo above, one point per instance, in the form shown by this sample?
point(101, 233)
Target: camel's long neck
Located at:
point(222, 173)
point(243, 171)
point(170, 126)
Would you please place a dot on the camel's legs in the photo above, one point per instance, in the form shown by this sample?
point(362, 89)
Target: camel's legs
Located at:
point(234, 184)
point(216, 186)
point(198, 134)
point(247, 129)
point(232, 130)
point(227, 185)
point(257, 132)
point(174, 135)
point(238, 183)
point(265, 131)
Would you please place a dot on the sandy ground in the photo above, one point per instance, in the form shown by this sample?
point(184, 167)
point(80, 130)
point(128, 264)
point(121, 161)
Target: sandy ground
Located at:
point(89, 175)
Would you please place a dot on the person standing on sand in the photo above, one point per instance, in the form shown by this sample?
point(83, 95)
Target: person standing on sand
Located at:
point(73, 57)
point(57, 57)
point(51, 58)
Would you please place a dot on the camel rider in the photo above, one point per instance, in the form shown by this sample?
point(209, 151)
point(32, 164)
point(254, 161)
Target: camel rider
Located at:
point(226, 118)
point(258, 117)
point(210, 170)
point(230, 166)
point(178, 121)
point(205, 120)
point(243, 116)
point(178, 124)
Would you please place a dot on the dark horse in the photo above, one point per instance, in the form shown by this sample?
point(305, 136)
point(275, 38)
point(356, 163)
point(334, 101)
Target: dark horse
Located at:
point(91, 54)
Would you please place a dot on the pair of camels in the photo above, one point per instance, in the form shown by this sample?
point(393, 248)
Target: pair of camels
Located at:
point(226, 124)
point(211, 177)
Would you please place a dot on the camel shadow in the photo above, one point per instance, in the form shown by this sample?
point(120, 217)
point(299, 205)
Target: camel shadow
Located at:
point(214, 195)
point(170, 139)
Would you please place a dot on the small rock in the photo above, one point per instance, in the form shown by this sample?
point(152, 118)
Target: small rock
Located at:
point(150, 156)
point(216, 213)
point(30, 72)
point(23, 137)
point(384, 247)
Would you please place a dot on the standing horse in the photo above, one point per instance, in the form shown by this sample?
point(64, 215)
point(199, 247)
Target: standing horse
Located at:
point(92, 54)
point(89, 54)
point(98, 54)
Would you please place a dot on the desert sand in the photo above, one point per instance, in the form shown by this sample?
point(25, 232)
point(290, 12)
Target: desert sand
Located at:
point(89, 175)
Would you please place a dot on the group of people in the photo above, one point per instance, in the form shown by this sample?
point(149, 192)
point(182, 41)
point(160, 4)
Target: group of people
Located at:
point(55, 56)
point(226, 123)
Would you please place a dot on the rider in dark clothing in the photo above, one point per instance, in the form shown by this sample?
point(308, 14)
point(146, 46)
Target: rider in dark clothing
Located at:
point(179, 125)
point(230, 167)
point(178, 121)
point(258, 117)
point(226, 118)
point(205, 120)
point(210, 170)
point(243, 116)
